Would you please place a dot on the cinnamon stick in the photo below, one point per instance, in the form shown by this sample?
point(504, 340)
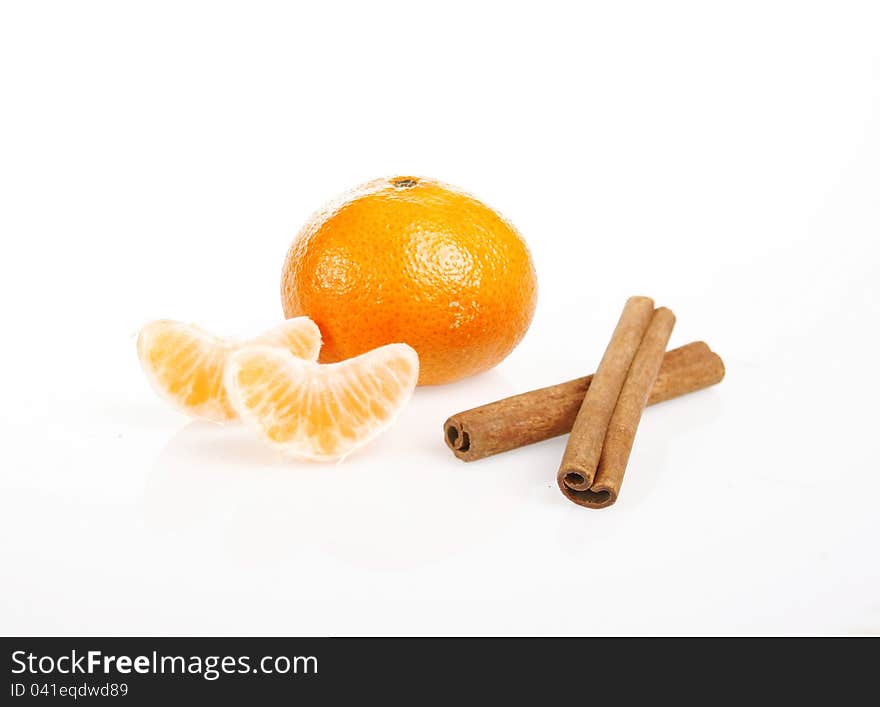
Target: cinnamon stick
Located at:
point(581, 457)
point(548, 412)
point(621, 430)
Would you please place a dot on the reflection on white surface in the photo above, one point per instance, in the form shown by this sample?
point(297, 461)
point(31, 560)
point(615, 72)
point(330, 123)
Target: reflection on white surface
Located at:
point(220, 484)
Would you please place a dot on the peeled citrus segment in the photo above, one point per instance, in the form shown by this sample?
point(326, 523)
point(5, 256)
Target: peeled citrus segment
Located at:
point(320, 412)
point(185, 364)
point(299, 335)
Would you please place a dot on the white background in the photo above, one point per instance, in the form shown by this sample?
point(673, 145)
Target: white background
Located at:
point(157, 158)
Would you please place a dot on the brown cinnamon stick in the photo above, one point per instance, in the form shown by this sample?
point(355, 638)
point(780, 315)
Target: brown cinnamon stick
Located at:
point(581, 457)
point(621, 430)
point(548, 412)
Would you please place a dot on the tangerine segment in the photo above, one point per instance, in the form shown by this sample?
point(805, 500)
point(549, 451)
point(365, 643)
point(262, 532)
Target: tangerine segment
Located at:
point(317, 411)
point(185, 363)
point(299, 335)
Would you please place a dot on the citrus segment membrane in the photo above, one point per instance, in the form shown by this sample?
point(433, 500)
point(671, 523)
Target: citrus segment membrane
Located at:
point(320, 412)
point(185, 364)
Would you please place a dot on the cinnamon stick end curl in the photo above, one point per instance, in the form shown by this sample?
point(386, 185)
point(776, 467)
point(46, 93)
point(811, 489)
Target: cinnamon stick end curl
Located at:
point(457, 439)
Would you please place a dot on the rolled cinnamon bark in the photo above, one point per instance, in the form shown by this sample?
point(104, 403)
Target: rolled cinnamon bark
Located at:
point(548, 412)
point(581, 457)
point(625, 419)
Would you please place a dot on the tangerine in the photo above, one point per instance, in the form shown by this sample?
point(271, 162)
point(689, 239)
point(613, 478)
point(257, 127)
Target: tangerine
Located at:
point(409, 259)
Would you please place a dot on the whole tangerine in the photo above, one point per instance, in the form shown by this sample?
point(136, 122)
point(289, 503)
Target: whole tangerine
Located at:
point(411, 260)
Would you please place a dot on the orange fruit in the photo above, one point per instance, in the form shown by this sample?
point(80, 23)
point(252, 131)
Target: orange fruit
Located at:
point(184, 363)
point(320, 412)
point(411, 259)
